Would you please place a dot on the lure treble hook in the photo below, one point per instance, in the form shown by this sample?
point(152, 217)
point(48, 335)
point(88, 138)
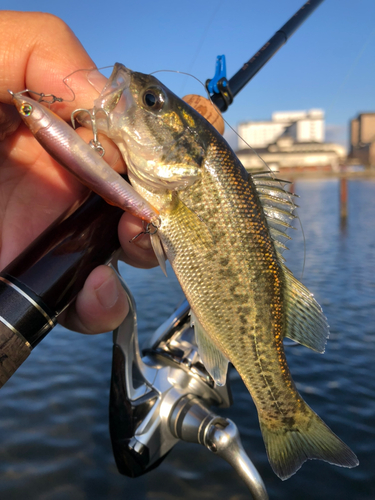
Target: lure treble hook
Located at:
point(151, 229)
point(94, 143)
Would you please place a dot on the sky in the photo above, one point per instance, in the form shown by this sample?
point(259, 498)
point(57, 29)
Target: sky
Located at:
point(328, 63)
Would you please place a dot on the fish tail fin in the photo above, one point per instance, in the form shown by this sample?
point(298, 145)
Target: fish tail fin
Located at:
point(306, 437)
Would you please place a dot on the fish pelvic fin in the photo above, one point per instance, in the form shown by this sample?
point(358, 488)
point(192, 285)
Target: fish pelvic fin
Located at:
point(302, 438)
point(158, 249)
point(305, 321)
point(213, 359)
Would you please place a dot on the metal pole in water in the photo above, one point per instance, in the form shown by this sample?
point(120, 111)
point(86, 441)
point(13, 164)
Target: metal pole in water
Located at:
point(343, 198)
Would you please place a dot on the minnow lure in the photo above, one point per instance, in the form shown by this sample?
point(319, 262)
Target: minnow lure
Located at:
point(80, 159)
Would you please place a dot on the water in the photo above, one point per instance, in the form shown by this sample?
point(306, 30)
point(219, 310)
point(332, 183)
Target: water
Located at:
point(54, 411)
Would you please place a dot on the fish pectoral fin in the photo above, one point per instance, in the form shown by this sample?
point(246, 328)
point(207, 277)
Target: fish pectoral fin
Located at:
point(157, 247)
point(177, 175)
point(305, 321)
point(213, 359)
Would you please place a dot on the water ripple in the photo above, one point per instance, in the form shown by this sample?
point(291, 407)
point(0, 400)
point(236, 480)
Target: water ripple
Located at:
point(54, 435)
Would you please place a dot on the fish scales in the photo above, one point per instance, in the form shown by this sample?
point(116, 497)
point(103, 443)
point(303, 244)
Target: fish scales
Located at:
point(218, 237)
point(235, 232)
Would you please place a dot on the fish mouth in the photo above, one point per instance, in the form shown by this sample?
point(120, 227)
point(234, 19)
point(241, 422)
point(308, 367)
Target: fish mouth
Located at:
point(116, 85)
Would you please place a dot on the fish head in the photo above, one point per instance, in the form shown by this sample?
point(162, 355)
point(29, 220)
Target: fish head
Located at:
point(32, 113)
point(155, 130)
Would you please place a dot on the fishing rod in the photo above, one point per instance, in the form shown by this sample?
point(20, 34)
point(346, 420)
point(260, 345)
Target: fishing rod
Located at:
point(230, 88)
point(47, 276)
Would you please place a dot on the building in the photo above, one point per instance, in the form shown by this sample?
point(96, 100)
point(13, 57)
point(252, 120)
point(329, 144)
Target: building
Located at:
point(292, 140)
point(362, 139)
point(303, 126)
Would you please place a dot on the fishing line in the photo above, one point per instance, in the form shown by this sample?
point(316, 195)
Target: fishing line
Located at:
point(54, 99)
point(200, 43)
point(77, 71)
point(269, 170)
point(282, 184)
point(351, 69)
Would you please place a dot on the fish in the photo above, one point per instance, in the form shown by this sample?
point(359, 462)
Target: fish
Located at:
point(63, 143)
point(222, 230)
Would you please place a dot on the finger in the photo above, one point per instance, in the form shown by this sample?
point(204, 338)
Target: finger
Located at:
point(37, 51)
point(9, 120)
point(137, 253)
point(100, 306)
point(112, 154)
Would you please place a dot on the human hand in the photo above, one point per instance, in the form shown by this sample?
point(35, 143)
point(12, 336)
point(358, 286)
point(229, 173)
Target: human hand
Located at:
point(37, 52)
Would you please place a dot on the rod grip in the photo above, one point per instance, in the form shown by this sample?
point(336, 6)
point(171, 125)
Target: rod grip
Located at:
point(47, 276)
point(14, 349)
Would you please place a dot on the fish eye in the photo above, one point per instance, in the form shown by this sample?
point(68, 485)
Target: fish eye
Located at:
point(153, 99)
point(26, 109)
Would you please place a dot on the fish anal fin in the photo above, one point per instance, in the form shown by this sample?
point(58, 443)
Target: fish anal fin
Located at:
point(300, 438)
point(214, 361)
point(305, 321)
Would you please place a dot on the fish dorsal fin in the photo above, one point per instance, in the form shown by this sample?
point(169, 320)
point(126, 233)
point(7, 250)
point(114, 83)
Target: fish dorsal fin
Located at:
point(305, 321)
point(214, 361)
point(278, 207)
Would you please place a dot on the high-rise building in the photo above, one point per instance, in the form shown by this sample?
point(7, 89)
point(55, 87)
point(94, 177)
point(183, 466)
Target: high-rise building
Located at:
point(362, 139)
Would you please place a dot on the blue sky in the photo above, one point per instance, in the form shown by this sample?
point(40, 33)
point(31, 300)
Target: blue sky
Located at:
point(328, 63)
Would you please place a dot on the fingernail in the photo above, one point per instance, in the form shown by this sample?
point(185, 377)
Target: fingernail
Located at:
point(108, 293)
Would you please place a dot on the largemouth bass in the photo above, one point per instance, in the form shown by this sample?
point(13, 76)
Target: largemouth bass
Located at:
point(222, 230)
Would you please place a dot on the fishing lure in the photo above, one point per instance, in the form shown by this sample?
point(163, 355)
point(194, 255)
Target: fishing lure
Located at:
point(79, 158)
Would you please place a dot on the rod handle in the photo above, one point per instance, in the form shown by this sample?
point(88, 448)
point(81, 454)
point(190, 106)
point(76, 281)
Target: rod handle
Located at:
point(46, 277)
point(14, 349)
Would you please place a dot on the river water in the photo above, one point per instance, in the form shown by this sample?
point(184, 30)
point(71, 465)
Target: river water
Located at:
point(54, 411)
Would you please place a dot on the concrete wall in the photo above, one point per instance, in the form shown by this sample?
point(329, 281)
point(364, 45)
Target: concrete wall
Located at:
point(259, 134)
point(310, 131)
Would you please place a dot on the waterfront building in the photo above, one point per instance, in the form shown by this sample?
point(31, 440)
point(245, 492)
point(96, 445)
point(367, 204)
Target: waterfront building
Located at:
point(362, 139)
point(292, 140)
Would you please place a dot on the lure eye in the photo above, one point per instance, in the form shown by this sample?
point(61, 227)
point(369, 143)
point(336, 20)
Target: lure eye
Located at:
point(26, 109)
point(153, 99)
